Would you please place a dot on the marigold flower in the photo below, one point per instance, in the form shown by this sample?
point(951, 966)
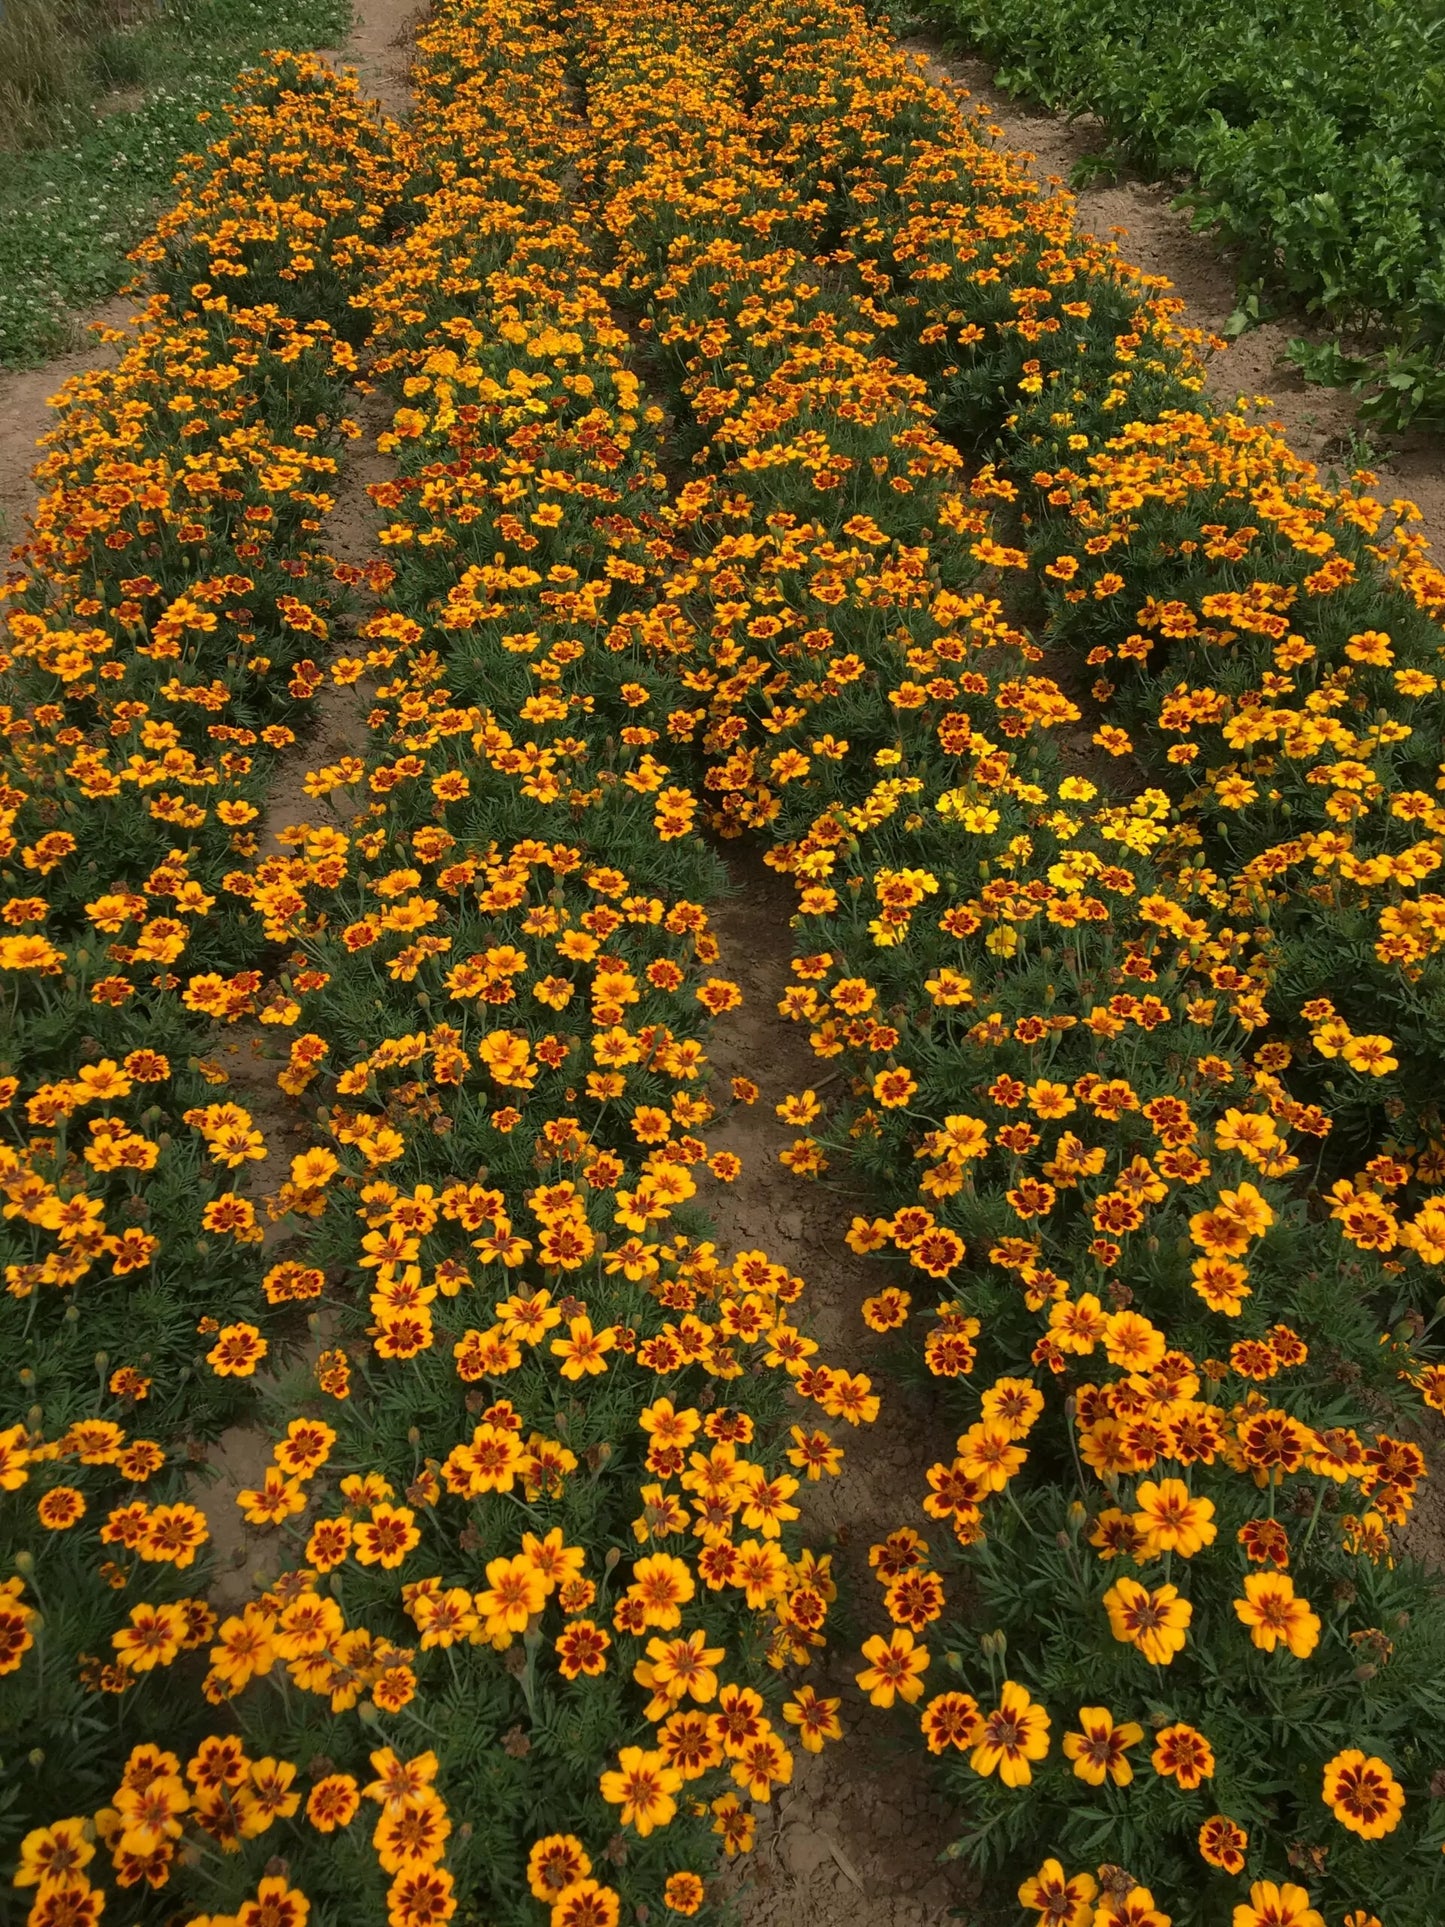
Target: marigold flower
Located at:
point(1277, 1906)
point(1275, 1614)
point(1222, 1843)
point(951, 1719)
point(554, 1863)
point(663, 1585)
point(1156, 1622)
point(61, 1507)
point(153, 1637)
point(816, 1719)
point(895, 1668)
point(1363, 1794)
point(1182, 1753)
point(683, 1893)
point(1170, 1520)
point(275, 1905)
point(586, 1903)
point(1099, 1750)
point(642, 1784)
point(332, 1802)
point(53, 1855)
point(1062, 1902)
point(237, 1352)
point(735, 1824)
point(1015, 1733)
point(515, 1591)
point(386, 1537)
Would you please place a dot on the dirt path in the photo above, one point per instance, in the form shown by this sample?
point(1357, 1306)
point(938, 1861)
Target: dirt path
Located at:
point(1319, 422)
point(854, 1842)
point(376, 47)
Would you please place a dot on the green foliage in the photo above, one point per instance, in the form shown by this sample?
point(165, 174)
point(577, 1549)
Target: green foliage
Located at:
point(1311, 135)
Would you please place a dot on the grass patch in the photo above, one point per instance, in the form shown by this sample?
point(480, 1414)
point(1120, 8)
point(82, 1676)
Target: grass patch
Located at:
point(79, 186)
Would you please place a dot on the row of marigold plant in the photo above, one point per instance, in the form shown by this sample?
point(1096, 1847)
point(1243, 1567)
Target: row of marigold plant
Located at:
point(533, 1576)
point(160, 628)
point(1199, 1526)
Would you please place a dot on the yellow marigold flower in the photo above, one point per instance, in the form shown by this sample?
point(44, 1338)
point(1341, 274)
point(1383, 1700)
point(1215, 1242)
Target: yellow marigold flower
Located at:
point(1277, 1906)
point(1063, 1902)
point(1363, 1794)
point(642, 1784)
point(1100, 1749)
point(1156, 1622)
point(1275, 1614)
point(1015, 1733)
point(895, 1668)
point(1171, 1521)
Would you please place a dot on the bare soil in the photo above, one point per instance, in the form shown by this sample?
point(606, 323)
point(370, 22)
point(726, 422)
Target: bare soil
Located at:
point(1156, 236)
point(377, 50)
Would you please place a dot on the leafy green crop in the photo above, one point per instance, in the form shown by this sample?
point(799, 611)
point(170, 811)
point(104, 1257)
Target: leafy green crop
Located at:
point(1312, 136)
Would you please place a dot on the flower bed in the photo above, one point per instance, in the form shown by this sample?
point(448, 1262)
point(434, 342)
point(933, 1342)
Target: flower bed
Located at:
point(1115, 1137)
point(735, 486)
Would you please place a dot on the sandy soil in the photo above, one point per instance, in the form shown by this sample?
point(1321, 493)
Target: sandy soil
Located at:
point(1151, 233)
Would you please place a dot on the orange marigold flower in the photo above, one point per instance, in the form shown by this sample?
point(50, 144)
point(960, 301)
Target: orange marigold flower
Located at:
point(1363, 1794)
point(1182, 1753)
point(1222, 1843)
point(1275, 1614)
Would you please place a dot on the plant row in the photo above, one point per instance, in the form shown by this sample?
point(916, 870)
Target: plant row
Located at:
point(529, 1527)
point(1076, 1000)
point(160, 630)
